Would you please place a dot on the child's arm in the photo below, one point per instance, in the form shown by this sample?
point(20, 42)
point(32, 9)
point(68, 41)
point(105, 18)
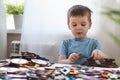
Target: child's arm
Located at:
point(72, 58)
point(97, 54)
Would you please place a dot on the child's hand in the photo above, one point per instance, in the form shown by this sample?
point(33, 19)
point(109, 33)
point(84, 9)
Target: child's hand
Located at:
point(74, 56)
point(97, 54)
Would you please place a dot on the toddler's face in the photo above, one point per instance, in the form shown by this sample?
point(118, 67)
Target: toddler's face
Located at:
point(79, 26)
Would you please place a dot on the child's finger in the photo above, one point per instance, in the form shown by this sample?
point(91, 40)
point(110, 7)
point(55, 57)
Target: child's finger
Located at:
point(94, 54)
point(91, 57)
point(80, 54)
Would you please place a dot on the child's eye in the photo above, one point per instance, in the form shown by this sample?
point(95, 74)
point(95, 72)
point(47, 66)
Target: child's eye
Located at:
point(83, 24)
point(74, 25)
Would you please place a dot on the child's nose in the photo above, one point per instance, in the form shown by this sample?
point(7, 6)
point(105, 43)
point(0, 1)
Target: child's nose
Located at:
point(79, 27)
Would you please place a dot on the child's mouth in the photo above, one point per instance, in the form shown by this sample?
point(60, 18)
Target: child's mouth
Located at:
point(79, 33)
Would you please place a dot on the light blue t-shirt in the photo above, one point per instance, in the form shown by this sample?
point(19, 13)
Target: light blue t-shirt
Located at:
point(84, 46)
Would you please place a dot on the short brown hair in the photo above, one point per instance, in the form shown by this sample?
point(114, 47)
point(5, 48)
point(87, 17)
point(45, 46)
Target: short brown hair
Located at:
point(78, 10)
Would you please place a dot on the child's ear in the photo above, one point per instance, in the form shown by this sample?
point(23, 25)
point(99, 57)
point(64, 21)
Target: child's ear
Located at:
point(90, 25)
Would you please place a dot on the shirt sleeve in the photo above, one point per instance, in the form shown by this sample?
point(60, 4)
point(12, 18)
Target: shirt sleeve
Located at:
point(63, 47)
point(98, 45)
